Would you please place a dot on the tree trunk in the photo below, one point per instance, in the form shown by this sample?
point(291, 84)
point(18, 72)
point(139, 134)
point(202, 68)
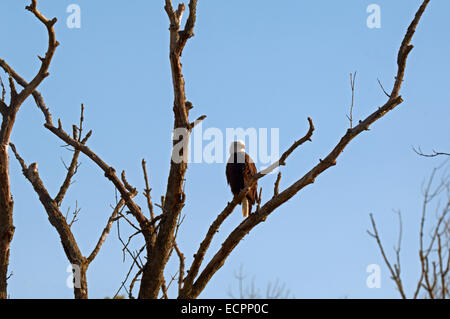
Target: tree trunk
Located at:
point(153, 273)
point(6, 219)
point(81, 292)
point(158, 255)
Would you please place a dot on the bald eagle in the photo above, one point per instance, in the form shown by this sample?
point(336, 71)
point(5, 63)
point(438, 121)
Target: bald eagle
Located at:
point(240, 168)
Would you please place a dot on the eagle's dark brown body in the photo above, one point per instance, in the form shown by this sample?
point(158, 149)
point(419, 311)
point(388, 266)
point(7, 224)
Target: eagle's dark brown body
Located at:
point(240, 168)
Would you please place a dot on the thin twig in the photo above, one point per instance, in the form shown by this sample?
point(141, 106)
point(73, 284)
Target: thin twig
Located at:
point(394, 272)
point(382, 88)
point(434, 154)
point(352, 86)
point(276, 188)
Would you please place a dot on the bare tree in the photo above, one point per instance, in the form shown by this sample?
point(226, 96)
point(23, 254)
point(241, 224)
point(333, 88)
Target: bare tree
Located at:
point(434, 254)
point(274, 290)
point(160, 231)
point(9, 113)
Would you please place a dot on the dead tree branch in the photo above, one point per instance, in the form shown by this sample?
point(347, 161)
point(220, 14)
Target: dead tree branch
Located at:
point(75, 213)
point(159, 254)
point(181, 270)
point(394, 270)
point(382, 88)
point(57, 220)
point(135, 262)
point(147, 191)
point(192, 290)
point(72, 169)
point(105, 231)
point(79, 146)
point(433, 279)
point(434, 154)
point(213, 229)
point(8, 119)
point(62, 226)
point(276, 188)
point(352, 86)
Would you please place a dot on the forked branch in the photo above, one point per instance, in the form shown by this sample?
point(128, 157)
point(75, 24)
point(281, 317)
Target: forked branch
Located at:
point(330, 160)
point(198, 257)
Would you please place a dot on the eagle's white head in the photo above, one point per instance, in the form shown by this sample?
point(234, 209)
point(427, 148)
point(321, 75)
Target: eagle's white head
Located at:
point(237, 147)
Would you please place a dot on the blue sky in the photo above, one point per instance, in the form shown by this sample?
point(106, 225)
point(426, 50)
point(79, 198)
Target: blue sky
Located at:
point(254, 64)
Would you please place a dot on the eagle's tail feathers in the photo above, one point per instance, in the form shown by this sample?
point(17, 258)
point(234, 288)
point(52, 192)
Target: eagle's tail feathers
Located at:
point(245, 207)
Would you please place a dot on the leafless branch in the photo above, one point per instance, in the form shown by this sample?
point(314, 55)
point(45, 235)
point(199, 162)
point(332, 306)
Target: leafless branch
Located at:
point(135, 279)
point(274, 290)
point(352, 86)
point(433, 278)
point(78, 145)
point(405, 49)
point(2, 99)
point(72, 169)
point(434, 154)
point(249, 223)
point(121, 215)
point(147, 191)
point(159, 253)
point(276, 188)
point(394, 270)
point(8, 119)
point(125, 248)
point(75, 213)
point(164, 289)
point(62, 225)
point(106, 231)
point(397, 249)
point(181, 271)
point(198, 257)
point(134, 262)
point(382, 88)
point(57, 220)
